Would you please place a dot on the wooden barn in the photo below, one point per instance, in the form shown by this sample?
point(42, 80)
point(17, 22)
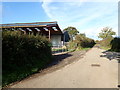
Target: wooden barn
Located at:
point(49, 29)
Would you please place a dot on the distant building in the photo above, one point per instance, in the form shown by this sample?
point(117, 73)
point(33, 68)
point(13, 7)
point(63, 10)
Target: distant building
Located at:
point(49, 29)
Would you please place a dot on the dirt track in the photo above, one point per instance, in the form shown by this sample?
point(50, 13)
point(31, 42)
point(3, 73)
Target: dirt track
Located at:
point(94, 70)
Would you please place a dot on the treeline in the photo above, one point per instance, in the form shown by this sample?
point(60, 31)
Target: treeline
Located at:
point(78, 41)
point(23, 55)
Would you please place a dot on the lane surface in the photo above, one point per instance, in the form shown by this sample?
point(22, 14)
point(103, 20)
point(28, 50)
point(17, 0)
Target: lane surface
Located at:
point(91, 71)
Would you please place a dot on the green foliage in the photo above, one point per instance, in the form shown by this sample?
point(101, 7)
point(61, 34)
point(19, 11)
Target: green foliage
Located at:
point(23, 55)
point(110, 43)
point(80, 42)
point(72, 31)
point(82, 34)
point(106, 32)
point(83, 42)
point(97, 41)
point(106, 42)
point(72, 46)
point(115, 44)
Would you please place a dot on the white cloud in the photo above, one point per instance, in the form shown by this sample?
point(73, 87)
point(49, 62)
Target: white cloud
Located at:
point(86, 17)
point(80, 0)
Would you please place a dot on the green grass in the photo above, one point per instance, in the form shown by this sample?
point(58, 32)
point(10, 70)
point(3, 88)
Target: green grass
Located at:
point(80, 49)
point(86, 49)
point(105, 48)
point(59, 50)
point(109, 49)
point(21, 72)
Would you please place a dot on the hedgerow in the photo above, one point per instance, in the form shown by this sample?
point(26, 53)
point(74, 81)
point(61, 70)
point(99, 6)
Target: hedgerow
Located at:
point(23, 55)
point(80, 42)
point(84, 42)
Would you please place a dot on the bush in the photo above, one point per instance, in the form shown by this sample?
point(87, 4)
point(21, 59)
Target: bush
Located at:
point(72, 46)
point(115, 44)
point(80, 42)
point(84, 42)
point(23, 55)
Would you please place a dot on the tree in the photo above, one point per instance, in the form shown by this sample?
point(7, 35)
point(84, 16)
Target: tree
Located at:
point(82, 34)
point(72, 31)
point(106, 32)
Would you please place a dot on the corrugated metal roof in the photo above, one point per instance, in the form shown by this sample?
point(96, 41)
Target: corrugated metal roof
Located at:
point(27, 24)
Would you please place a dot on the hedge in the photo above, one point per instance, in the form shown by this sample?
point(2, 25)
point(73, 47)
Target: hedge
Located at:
point(80, 42)
point(115, 44)
point(23, 55)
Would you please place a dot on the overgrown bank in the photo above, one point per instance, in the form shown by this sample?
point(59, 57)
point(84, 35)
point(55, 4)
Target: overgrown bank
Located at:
point(23, 55)
point(111, 44)
point(108, 42)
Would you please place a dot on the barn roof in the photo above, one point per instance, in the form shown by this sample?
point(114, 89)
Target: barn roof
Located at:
point(35, 26)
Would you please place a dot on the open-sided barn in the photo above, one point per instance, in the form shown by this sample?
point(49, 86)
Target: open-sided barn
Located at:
point(49, 29)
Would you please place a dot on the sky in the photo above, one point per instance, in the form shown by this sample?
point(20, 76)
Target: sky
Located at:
point(88, 17)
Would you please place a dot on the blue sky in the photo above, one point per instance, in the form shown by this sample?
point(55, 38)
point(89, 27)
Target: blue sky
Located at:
point(16, 12)
point(87, 17)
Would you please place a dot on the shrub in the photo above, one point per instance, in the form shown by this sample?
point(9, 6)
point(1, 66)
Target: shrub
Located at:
point(115, 44)
point(72, 46)
point(84, 42)
point(23, 55)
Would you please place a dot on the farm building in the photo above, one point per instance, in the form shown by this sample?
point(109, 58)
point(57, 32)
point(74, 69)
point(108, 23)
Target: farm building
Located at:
point(49, 29)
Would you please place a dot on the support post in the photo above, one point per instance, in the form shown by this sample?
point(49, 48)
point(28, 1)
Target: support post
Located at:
point(49, 34)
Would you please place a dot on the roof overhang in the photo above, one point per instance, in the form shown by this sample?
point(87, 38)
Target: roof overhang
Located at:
point(32, 26)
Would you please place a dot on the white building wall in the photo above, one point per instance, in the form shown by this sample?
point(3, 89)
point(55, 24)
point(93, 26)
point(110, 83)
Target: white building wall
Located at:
point(56, 40)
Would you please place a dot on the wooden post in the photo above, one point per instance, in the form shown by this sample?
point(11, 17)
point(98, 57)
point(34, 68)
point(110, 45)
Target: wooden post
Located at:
point(25, 32)
point(49, 33)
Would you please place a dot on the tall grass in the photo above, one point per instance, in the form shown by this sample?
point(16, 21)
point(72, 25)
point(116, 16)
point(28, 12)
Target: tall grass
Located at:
point(106, 42)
